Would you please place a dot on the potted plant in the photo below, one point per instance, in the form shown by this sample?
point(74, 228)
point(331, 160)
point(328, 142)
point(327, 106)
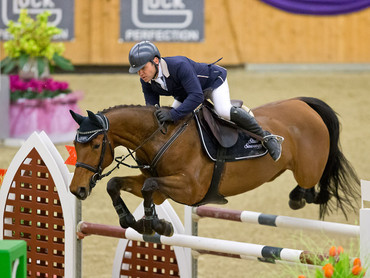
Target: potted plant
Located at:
point(31, 49)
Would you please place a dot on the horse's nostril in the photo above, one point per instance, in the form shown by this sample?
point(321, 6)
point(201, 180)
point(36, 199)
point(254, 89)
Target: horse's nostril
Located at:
point(81, 193)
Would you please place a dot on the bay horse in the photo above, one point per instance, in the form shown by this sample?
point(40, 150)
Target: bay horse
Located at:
point(174, 165)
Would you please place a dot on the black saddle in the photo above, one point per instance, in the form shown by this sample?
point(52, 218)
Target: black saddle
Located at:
point(223, 142)
point(217, 133)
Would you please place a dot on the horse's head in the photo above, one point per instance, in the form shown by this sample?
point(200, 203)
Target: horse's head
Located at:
point(94, 152)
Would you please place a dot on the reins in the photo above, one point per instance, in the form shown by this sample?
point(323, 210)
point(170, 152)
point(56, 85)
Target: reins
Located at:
point(120, 159)
point(159, 154)
point(163, 129)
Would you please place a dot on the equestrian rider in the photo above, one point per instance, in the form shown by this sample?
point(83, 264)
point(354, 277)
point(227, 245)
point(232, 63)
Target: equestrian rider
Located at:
point(186, 81)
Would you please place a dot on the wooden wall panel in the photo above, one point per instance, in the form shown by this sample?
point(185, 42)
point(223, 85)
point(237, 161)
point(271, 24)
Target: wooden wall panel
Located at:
point(247, 31)
point(269, 35)
point(78, 50)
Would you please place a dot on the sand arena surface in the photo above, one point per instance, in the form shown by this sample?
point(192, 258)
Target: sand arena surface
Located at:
point(346, 93)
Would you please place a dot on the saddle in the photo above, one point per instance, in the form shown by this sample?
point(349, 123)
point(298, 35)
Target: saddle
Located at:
point(223, 137)
point(223, 142)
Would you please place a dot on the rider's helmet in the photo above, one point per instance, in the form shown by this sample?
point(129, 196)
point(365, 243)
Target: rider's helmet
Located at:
point(140, 54)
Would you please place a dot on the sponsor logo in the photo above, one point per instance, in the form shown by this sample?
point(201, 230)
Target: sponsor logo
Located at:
point(253, 144)
point(33, 7)
point(61, 15)
point(162, 20)
point(159, 11)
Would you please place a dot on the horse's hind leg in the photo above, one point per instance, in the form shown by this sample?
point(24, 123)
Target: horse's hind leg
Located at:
point(151, 222)
point(299, 196)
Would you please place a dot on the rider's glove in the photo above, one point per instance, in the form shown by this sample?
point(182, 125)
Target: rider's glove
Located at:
point(163, 115)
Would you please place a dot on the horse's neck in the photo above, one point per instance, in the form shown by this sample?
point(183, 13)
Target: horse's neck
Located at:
point(131, 126)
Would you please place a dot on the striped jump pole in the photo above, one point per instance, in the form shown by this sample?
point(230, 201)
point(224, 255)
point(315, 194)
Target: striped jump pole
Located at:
point(210, 245)
point(276, 221)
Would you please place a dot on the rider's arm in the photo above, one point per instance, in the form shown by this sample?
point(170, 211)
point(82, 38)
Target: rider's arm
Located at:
point(189, 80)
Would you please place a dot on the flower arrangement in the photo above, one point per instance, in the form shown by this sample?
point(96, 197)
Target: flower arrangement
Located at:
point(36, 88)
point(339, 265)
point(32, 41)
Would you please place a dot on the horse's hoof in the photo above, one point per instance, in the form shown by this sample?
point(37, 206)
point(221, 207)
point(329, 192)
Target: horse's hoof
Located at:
point(127, 221)
point(168, 230)
point(163, 227)
point(297, 204)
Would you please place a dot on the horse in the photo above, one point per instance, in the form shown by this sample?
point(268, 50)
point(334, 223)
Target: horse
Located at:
point(173, 163)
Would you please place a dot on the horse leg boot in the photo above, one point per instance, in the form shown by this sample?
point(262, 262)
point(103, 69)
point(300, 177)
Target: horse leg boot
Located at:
point(151, 221)
point(126, 219)
point(299, 196)
point(248, 122)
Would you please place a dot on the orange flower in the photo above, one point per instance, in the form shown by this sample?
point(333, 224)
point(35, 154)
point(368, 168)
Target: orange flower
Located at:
point(328, 270)
point(356, 270)
point(301, 276)
point(2, 174)
point(332, 251)
point(357, 261)
point(339, 250)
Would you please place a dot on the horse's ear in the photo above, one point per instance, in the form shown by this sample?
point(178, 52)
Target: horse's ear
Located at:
point(94, 118)
point(77, 117)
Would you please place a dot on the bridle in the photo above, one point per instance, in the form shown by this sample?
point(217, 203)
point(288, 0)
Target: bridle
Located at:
point(98, 170)
point(87, 136)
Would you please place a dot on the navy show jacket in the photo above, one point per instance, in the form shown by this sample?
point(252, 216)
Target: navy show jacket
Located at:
point(186, 80)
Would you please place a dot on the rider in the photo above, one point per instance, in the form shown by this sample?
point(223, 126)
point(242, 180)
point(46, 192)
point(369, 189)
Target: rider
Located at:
point(186, 80)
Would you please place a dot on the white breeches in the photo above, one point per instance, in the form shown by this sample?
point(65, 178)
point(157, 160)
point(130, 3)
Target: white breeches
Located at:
point(220, 98)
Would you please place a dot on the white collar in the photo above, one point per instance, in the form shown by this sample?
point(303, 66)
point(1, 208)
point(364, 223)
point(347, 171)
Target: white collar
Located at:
point(164, 68)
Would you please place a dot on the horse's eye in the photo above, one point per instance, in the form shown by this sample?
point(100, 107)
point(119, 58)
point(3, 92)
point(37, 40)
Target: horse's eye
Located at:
point(96, 146)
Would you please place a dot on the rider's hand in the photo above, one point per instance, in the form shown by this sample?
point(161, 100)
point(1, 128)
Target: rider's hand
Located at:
point(163, 115)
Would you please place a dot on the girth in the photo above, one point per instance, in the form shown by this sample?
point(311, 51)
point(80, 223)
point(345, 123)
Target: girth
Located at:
point(213, 196)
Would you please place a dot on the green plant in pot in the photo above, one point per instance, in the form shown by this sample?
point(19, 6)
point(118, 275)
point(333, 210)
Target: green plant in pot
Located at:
point(31, 49)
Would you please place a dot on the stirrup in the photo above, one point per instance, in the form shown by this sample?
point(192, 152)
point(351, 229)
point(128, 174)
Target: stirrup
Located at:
point(279, 139)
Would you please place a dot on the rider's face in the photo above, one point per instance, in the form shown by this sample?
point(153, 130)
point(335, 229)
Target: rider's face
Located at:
point(148, 72)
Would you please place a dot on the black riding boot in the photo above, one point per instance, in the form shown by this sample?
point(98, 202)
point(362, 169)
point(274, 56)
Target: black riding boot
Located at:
point(246, 121)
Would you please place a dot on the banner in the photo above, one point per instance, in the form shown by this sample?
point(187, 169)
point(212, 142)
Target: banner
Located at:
point(62, 15)
point(162, 20)
point(319, 7)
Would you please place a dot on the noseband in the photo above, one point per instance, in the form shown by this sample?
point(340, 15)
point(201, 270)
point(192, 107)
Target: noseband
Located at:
point(98, 170)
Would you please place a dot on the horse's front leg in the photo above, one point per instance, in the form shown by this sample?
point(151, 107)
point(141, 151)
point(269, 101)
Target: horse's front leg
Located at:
point(114, 186)
point(151, 221)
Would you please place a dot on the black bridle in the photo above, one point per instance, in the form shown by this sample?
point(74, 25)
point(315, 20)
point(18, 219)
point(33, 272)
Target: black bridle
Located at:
point(98, 170)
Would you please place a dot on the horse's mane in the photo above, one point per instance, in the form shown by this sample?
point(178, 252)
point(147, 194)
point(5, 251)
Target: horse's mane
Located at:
point(122, 106)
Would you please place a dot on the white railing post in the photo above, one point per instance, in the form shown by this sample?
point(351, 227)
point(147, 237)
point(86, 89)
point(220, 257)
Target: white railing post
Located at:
point(365, 225)
point(191, 229)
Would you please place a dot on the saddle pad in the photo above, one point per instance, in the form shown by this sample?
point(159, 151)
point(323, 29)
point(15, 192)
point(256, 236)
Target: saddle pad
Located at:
point(246, 147)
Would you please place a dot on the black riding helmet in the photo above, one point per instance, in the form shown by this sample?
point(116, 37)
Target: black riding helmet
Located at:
point(140, 54)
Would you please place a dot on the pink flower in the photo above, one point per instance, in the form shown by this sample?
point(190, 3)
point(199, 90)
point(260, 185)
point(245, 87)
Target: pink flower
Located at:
point(36, 88)
point(63, 86)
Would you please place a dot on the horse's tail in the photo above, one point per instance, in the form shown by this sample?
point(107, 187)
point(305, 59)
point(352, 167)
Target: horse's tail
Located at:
point(339, 179)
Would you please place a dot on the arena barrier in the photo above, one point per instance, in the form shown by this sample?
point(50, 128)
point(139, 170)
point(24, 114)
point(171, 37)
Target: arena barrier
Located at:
point(276, 221)
point(36, 206)
point(194, 214)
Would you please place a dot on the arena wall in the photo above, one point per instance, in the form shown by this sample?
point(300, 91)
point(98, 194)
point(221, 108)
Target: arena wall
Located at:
point(247, 31)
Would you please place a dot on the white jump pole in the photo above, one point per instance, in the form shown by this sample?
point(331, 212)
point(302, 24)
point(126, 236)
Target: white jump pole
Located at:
point(276, 221)
point(200, 243)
